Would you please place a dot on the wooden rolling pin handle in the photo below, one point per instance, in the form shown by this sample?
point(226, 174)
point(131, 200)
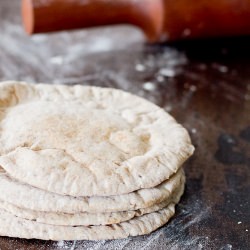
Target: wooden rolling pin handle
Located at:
point(159, 19)
point(54, 15)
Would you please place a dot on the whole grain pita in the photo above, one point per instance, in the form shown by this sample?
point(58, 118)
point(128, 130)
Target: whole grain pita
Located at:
point(13, 226)
point(86, 141)
point(87, 219)
point(25, 196)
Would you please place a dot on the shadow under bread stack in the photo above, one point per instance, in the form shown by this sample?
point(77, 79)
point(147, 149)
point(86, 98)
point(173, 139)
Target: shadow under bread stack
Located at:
point(86, 163)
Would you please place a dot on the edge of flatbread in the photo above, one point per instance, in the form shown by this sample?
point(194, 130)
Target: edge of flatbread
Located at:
point(89, 219)
point(29, 197)
point(13, 226)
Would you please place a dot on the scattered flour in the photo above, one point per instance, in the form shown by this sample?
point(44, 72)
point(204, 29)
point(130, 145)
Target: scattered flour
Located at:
point(149, 86)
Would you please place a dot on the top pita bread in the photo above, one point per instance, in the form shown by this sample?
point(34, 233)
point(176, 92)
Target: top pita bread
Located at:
point(85, 141)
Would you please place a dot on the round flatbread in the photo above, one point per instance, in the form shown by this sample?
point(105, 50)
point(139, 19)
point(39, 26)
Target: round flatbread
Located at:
point(86, 141)
point(87, 219)
point(28, 197)
point(13, 226)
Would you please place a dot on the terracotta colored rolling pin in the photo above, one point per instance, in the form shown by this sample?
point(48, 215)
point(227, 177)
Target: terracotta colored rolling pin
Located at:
point(159, 19)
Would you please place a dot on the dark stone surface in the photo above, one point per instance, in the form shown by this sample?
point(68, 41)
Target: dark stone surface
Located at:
point(204, 84)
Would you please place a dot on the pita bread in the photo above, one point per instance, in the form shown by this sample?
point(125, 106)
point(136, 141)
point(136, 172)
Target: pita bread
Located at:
point(13, 226)
point(86, 219)
point(32, 198)
point(87, 141)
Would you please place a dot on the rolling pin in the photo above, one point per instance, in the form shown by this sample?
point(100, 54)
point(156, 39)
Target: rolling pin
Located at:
point(160, 20)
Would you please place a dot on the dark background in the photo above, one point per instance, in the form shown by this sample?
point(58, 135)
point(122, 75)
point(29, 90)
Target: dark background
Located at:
point(205, 85)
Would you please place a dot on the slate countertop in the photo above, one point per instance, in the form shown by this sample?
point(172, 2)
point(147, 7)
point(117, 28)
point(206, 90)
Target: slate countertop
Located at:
point(205, 85)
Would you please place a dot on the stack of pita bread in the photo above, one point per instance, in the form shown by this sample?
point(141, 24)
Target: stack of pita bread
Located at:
point(86, 162)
